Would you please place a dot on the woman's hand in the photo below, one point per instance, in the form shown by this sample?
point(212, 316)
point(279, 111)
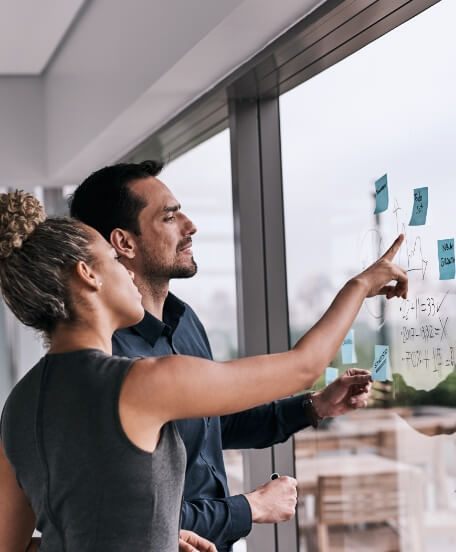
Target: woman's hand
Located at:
point(191, 542)
point(377, 276)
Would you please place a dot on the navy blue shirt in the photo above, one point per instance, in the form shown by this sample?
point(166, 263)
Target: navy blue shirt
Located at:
point(208, 509)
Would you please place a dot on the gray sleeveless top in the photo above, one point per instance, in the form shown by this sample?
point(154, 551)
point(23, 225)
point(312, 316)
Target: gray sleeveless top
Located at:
point(90, 487)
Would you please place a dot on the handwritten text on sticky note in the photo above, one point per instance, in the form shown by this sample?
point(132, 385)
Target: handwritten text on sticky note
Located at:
point(446, 259)
point(348, 349)
point(381, 194)
point(420, 206)
point(381, 370)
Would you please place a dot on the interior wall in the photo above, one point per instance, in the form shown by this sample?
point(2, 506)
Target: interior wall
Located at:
point(22, 132)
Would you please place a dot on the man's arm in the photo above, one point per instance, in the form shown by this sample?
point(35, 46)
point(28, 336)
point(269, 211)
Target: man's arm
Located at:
point(265, 425)
point(222, 521)
point(275, 422)
point(225, 521)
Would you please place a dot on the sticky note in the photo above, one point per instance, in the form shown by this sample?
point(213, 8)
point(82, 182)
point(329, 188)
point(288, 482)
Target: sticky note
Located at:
point(381, 370)
point(348, 349)
point(420, 206)
point(381, 194)
point(331, 374)
point(446, 259)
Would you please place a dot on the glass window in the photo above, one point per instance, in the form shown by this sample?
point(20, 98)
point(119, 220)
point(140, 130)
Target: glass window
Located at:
point(201, 181)
point(6, 373)
point(382, 478)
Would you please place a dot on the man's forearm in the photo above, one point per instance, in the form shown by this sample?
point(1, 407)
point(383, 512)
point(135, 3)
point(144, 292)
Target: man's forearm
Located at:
point(222, 521)
point(265, 425)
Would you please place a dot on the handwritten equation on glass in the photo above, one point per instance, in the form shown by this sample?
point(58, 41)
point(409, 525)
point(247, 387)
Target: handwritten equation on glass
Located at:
point(422, 334)
point(427, 353)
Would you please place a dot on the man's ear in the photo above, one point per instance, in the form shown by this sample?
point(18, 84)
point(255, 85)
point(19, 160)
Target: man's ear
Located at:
point(86, 275)
point(123, 243)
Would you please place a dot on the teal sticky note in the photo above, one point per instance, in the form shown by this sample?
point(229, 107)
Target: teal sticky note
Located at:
point(348, 349)
point(420, 207)
point(446, 259)
point(381, 194)
point(331, 374)
point(381, 370)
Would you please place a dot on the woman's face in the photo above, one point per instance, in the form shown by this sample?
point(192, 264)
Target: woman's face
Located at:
point(117, 289)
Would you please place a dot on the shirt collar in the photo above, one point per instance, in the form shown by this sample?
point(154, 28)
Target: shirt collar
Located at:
point(151, 328)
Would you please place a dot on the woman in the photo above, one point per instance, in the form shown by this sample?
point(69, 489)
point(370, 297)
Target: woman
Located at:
point(90, 454)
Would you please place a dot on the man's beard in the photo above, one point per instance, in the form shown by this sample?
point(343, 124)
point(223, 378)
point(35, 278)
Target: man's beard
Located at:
point(154, 269)
point(184, 271)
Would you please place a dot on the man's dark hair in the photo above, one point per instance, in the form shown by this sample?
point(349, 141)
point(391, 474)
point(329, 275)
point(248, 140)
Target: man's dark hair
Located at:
point(104, 200)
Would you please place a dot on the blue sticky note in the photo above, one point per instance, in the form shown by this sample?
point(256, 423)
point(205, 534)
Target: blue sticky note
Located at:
point(331, 374)
point(420, 206)
point(446, 259)
point(381, 370)
point(381, 194)
point(348, 349)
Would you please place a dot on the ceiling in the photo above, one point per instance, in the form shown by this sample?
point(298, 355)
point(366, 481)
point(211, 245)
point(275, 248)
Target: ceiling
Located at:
point(31, 31)
point(83, 82)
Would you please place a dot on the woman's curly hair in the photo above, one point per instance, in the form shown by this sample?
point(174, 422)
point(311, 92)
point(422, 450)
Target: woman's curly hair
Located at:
point(37, 255)
point(20, 213)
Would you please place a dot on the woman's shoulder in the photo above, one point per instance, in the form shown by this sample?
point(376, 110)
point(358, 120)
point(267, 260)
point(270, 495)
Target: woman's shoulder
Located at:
point(22, 398)
point(29, 382)
point(91, 360)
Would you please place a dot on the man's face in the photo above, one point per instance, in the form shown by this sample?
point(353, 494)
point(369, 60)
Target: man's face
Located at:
point(164, 245)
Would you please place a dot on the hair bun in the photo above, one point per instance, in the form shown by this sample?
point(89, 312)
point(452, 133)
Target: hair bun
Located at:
point(20, 214)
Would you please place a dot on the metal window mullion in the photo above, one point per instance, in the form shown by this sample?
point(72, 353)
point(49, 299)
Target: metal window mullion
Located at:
point(276, 281)
point(250, 278)
point(261, 276)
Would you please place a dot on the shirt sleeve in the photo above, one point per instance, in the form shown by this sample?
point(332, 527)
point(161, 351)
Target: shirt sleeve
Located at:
point(265, 425)
point(223, 520)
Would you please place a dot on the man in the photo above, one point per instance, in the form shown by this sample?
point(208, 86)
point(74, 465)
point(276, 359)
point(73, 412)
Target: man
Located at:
point(143, 221)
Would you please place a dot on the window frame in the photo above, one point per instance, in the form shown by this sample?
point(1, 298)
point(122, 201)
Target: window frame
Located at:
point(247, 102)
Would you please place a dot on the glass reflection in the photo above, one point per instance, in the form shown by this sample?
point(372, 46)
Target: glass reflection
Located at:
point(384, 478)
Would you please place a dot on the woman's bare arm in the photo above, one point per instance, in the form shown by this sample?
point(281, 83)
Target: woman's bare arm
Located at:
point(161, 389)
point(17, 520)
point(34, 545)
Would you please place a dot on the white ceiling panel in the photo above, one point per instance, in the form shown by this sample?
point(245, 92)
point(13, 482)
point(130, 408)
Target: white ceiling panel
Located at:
point(30, 31)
